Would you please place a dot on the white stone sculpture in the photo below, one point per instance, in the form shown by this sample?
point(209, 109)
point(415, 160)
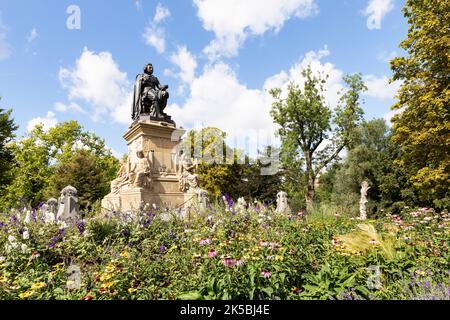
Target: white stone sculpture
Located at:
point(363, 201)
point(282, 203)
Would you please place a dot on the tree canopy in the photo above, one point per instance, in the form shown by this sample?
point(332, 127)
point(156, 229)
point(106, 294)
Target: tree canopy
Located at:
point(422, 128)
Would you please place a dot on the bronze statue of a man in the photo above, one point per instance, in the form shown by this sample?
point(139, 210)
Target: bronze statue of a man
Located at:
point(150, 97)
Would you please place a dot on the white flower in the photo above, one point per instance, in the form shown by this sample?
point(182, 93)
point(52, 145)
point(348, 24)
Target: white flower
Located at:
point(27, 217)
point(24, 247)
point(26, 234)
point(2, 258)
point(12, 240)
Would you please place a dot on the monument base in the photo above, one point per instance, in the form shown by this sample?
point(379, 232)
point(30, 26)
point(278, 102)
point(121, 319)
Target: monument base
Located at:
point(158, 142)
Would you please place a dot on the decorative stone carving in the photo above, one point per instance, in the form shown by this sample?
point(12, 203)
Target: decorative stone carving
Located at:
point(363, 201)
point(68, 206)
point(141, 172)
point(202, 198)
point(52, 204)
point(282, 203)
point(189, 180)
point(122, 178)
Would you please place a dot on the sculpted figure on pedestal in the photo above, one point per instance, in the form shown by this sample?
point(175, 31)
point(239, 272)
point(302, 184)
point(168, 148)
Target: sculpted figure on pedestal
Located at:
point(122, 178)
point(150, 97)
point(140, 171)
point(188, 178)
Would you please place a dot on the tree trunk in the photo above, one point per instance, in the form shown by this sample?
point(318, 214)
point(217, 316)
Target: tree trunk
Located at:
point(310, 193)
point(311, 179)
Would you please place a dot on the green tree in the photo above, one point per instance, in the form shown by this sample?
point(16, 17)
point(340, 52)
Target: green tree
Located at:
point(366, 160)
point(7, 128)
point(306, 122)
point(84, 173)
point(422, 130)
point(223, 169)
point(39, 153)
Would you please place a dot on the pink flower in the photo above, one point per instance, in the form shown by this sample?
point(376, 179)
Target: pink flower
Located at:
point(263, 243)
point(35, 255)
point(300, 213)
point(265, 274)
point(212, 253)
point(240, 262)
point(228, 262)
point(204, 241)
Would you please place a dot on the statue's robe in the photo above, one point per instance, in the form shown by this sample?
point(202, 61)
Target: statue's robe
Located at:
point(137, 98)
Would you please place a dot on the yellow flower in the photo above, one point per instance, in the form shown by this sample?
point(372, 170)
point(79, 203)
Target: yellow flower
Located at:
point(109, 268)
point(124, 254)
point(26, 294)
point(108, 284)
point(131, 290)
point(3, 279)
point(279, 258)
point(105, 276)
point(38, 285)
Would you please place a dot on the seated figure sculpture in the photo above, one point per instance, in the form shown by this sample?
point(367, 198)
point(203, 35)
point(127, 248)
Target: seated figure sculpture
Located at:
point(122, 178)
point(150, 97)
point(189, 180)
point(140, 172)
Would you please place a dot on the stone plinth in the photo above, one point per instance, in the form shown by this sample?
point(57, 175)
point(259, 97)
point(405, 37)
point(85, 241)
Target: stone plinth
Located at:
point(152, 172)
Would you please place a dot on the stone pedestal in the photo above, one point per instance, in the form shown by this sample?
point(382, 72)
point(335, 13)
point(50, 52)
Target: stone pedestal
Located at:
point(159, 143)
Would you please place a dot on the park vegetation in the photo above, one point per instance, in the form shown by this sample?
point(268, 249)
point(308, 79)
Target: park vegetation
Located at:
point(231, 250)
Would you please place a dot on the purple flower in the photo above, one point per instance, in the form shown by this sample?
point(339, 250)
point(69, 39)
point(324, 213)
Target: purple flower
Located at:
point(81, 226)
point(228, 200)
point(56, 239)
point(41, 203)
point(33, 214)
point(126, 233)
point(162, 248)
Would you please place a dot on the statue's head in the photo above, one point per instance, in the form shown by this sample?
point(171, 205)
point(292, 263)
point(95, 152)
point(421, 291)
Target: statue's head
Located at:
point(148, 68)
point(140, 154)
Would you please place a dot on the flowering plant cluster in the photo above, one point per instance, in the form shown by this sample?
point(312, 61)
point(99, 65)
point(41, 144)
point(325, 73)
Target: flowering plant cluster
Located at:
point(250, 253)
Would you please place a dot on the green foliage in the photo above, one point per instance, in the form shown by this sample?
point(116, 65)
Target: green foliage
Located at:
point(7, 128)
point(40, 154)
point(306, 122)
point(422, 130)
point(225, 170)
point(83, 172)
point(240, 254)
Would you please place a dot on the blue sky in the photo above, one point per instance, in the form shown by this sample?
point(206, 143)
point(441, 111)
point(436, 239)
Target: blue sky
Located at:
point(218, 58)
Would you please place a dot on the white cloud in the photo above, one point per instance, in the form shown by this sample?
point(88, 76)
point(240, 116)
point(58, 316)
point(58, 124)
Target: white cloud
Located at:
point(72, 106)
point(388, 116)
point(312, 58)
point(387, 56)
point(47, 122)
point(380, 88)
point(217, 98)
point(155, 37)
point(138, 4)
point(161, 13)
point(376, 10)
point(32, 36)
point(232, 21)
point(97, 80)
point(5, 47)
point(186, 62)
point(154, 34)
